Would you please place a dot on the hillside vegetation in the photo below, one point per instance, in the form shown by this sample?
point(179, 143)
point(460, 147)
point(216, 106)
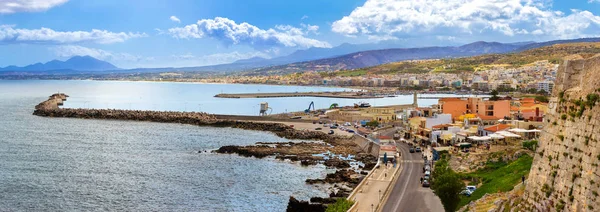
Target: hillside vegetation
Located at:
point(552, 53)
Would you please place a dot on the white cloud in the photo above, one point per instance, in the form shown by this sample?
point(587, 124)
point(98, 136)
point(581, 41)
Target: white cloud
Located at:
point(14, 6)
point(230, 32)
point(393, 18)
point(304, 17)
point(593, 1)
point(175, 19)
point(67, 51)
point(9, 34)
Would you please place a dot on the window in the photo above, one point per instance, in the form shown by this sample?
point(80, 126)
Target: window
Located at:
point(490, 107)
point(490, 113)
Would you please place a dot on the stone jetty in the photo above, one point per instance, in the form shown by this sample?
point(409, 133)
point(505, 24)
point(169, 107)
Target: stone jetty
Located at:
point(50, 108)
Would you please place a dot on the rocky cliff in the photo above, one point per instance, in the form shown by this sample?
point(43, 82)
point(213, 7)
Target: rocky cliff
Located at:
point(565, 175)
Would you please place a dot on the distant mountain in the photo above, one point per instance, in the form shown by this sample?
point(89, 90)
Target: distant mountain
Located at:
point(250, 60)
point(77, 63)
point(377, 57)
point(550, 43)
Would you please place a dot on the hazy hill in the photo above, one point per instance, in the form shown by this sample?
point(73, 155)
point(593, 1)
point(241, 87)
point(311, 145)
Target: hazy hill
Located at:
point(377, 57)
point(552, 53)
point(77, 63)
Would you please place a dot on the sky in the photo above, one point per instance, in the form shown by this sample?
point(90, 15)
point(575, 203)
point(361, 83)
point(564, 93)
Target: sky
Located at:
point(183, 33)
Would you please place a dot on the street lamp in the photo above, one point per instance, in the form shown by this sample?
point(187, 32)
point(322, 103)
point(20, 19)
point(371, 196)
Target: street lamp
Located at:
point(372, 209)
point(379, 194)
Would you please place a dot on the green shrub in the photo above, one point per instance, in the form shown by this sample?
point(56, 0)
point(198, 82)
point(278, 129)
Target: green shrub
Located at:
point(563, 116)
point(531, 145)
point(341, 205)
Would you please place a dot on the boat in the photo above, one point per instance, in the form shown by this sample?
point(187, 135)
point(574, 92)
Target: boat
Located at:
point(364, 104)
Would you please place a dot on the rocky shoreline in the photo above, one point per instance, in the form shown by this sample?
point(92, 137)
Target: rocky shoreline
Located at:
point(327, 152)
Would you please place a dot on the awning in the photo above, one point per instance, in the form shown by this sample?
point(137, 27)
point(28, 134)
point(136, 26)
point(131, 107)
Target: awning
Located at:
point(518, 130)
point(508, 134)
point(478, 138)
point(496, 136)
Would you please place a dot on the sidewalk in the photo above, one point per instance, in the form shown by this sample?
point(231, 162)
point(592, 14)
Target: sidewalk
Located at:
point(369, 196)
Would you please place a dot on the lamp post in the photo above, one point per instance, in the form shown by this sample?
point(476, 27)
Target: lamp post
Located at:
point(380, 194)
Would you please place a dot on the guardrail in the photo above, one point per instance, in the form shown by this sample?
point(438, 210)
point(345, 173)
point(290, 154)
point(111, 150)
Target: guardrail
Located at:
point(390, 187)
point(351, 196)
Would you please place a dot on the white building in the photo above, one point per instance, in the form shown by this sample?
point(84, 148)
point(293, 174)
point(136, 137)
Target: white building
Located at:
point(546, 86)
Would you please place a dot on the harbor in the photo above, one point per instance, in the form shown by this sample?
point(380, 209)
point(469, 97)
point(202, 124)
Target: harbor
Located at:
point(343, 95)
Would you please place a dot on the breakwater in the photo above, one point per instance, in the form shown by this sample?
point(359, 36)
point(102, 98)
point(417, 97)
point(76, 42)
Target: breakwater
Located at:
point(344, 95)
point(50, 108)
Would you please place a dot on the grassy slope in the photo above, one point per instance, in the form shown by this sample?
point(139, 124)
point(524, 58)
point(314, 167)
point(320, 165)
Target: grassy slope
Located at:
point(498, 177)
point(468, 64)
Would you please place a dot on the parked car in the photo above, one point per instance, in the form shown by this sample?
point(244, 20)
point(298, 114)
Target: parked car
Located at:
point(426, 168)
point(325, 125)
point(427, 174)
point(318, 128)
point(411, 150)
point(425, 183)
point(471, 188)
point(331, 132)
point(351, 131)
point(468, 190)
point(333, 127)
point(347, 124)
point(418, 149)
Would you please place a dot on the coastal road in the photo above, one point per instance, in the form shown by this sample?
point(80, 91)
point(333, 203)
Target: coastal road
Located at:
point(408, 194)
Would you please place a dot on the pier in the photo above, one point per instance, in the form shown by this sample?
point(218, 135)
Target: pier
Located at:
point(343, 95)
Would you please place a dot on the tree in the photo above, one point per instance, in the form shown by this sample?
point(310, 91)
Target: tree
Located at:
point(542, 99)
point(447, 186)
point(494, 95)
point(373, 123)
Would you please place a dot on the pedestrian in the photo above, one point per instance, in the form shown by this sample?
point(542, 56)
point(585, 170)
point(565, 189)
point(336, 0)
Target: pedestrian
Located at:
point(421, 180)
point(523, 179)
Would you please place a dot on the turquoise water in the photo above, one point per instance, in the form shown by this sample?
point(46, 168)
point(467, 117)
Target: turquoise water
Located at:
point(59, 164)
point(183, 96)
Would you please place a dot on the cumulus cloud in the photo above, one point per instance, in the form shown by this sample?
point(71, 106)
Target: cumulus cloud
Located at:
point(15, 6)
point(393, 18)
point(230, 33)
point(67, 51)
point(9, 34)
point(175, 19)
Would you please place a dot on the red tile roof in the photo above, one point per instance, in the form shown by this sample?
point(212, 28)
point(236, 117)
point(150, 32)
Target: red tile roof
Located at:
point(497, 127)
point(488, 118)
point(385, 137)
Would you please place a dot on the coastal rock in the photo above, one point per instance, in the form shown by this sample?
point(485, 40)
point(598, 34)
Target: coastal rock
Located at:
point(323, 200)
point(295, 205)
point(337, 163)
point(340, 176)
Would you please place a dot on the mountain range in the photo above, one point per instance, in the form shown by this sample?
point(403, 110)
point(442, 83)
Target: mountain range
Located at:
point(77, 63)
point(345, 56)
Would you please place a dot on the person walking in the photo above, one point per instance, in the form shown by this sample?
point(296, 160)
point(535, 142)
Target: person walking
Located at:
point(523, 179)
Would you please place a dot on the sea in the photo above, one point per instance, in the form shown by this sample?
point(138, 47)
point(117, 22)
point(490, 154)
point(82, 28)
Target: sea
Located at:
point(62, 164)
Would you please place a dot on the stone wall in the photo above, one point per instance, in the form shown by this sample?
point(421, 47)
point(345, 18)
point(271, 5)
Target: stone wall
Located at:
point(565, 174)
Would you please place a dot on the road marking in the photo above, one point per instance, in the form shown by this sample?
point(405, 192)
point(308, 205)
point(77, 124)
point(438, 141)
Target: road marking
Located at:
point(403, 191)
point(412, 161)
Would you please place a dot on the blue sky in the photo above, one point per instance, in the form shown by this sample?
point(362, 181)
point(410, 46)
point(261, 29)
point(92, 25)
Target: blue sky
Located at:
point(176, 33)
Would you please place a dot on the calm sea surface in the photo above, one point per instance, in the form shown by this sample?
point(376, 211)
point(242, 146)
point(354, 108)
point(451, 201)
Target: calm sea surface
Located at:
point(58, 164)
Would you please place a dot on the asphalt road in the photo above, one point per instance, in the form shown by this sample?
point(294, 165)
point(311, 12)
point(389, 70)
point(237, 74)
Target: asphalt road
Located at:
point(408, 194)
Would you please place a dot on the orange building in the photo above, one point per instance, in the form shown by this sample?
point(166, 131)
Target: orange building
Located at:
point(454, 106)
point(458, 107)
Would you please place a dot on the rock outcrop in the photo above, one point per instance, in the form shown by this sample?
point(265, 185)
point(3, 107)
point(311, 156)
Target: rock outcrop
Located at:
point(565, 175)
